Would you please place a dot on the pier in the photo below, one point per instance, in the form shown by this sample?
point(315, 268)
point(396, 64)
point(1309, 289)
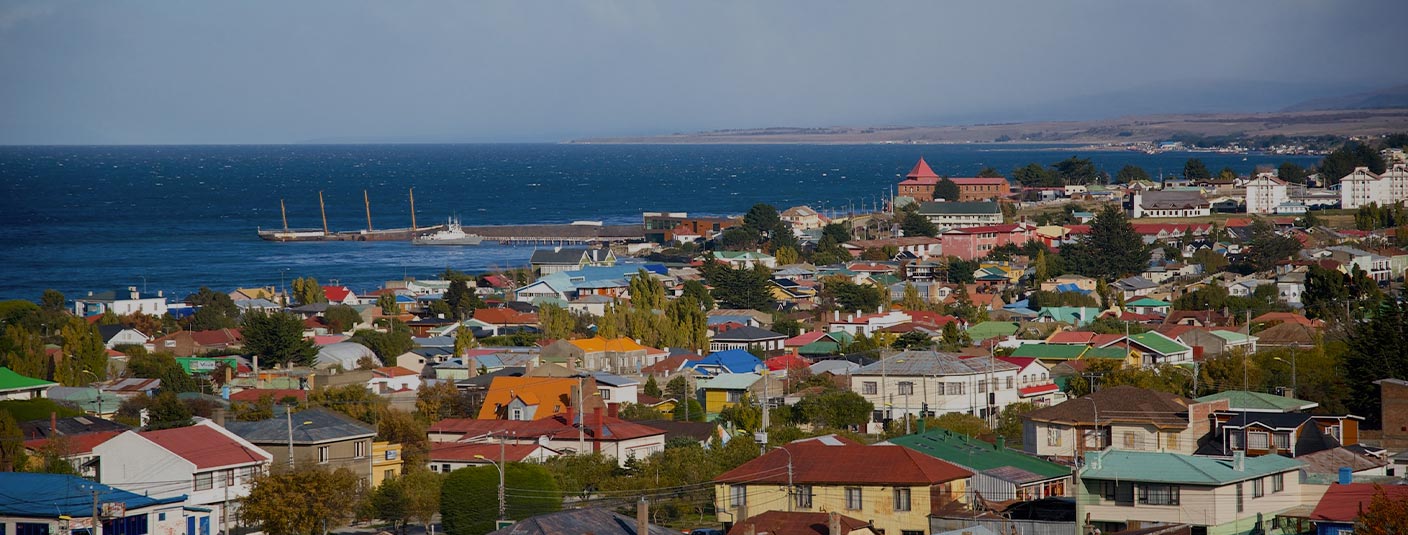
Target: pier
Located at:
point(558, 234)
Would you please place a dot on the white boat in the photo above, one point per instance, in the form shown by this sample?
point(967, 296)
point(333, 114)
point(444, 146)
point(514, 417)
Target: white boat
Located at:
point(451, 235)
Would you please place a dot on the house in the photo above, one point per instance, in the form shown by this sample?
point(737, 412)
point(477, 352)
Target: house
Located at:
point(1139, 488)
point(857, 324)
point(533, 398)
point(896, 487)
point(132, 387)
point(121, 335)
point(728, 389)
point(1035, 384)
point(393, 379)
point(909, 382)
point(548, 261)
point(1077, 316)
point(121, 303)
point(615, 388)
point(40, 504)
point(1215, 342)
point(1148, 305)
point(970, 243)
point(1168, 203)
point(340, 295)
point(665, 227)
point(1291, 434)
point(599, 431)
point(347, 355)
point(1134, 287)
point(593, 520)
point(319, 436)
point(1121, 417)
point(1076, 282)
point(192, 343)
point(1265, 193)
point(14, 386)
point(919, 184)
point(961, 214)
point(906, 247)
point(1244, 401)
point(999, 474)
point(1362, 187)
point(802, 218)
point(616, 355)
point(745, 259)
point(210, 465)
point(1338, 510)
point(250, 294)
point(1155, 348)
point(729, 361)
point(76, 449)
point(446, 457)
point(387, 462)
point(798, 523)
point(745, 338)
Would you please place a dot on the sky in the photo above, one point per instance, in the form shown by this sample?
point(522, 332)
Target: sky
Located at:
point(149, 72)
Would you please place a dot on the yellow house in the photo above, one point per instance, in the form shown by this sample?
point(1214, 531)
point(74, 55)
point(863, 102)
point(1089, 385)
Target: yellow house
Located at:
point(727, 389)
point(386, 461)
point(895, 486)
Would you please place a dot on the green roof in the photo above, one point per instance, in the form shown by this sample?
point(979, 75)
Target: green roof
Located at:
point(1161, 344)
point(820, 348)
point(1231, 336)
point(989, 329)
point(885, 278)
point(9, 380)
point(1072, 315)
point(1243, 400)
point(1148, 302)
point(1049, 351)
point(977, 455)
point(1160, 467)
point(1106, 353)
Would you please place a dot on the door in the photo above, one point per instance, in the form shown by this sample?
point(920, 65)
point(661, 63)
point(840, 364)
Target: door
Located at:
point(191, 525)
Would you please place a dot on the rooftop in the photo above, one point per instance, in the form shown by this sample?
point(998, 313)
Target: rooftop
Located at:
point(977, 455)
point(833, 462)
point(1242, 400)
point(1160, 467)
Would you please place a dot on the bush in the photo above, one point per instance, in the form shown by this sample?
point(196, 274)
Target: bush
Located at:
point(469, 497)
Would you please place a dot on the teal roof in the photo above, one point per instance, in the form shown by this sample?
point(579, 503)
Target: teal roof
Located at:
point(1048, 351)
point(1231, 336)
point(1148, 302)
point(9, 380)
point(1161, 344)
point(820, 348)
point(989, 329)
point(1243, 400)
point(1072, 315)
point(977, 455)
point(1159, 467)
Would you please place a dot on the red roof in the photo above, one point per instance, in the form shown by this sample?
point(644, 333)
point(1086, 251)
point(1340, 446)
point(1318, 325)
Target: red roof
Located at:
point(217, 337)
point(1071, 337)
point(1155, 228)
point(614, 429)
point(794, 523)
point(1020, 362)
point(505, 316)
point(803, 339)
point(790, 360)
point(76, 444)
point(815, 462)
point(1234, 222)
point(1287, 317)
point(393, 371)
point(921, 170)
point(927, 318)
point(1039, 389)
point(203, 446)
point(1078, 229)
point(252, 395)
point(336, 294)
point(1342, 503)
point(1174, 330)
point(465, 452)
point(1009, 227)
point(670, 363)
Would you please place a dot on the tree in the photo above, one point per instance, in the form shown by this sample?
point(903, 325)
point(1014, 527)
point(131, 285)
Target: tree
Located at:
point(467, 494)
point(440, 401)
point(12, 456)
point(651, 388)
point(1112, 249)
point(159, 365)
point(1211, 260)
point(763, 219)
point(947, 190)
point(740, 287)
point(387, 303)
point(387, 345)
point(1131, 173)
point(700, 293)
point(838, 232)
point(688, 410)
point(1342, 161)
point(1195, 169)
point(277, 339)
point(167, 411)
point(1075, 170)
point(1009, 421)
point(745, 415)
point(1386, 515)
point(989, 172)
point(307, 291)
point(1033, 175)
point(341, 318)
point(847, 295)
point(1291, 172)
point(354, 400)
point(52, 301)
point(787, 255)
point(422, 492)
point(556, 322)
point(952, 339)
point(963, 423)
point(915, 224)
point(1268, 247)
point(640, 411)
point(214, 310)
point(834, 408)
point(388, 503)
point(1378, 348)
point(301, 501)
point(462, 300)
point(85, 358)
point(404, 428)
point(464, 340)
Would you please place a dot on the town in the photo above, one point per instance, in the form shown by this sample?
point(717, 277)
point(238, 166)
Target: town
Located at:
point(1050, 350)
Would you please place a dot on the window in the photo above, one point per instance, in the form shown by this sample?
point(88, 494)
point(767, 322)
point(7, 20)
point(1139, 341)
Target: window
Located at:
point(1171, 441)
point(388, 474)
point(1257, 440)
point(26, 528)
point(1053, 436)
point(955, 389)
point(853, 499)
point(1009, 382)
point(735, 396)
point(359, 449)
point(1132, 440)
point(939, 388)
point(737, 496)
point(1258, 488)
point(605, 393)
point(868, 387)
point(1234, 440)
point(229, 478)
point(901, 499)
point(803, 496)
point(1282, 441)
point(1239, 498)
point(982, 386)
point(1158, 494)
point(906, 388)
point(1334, 431)
point(322, 454)
point(1278, 482)
point(1120, 492)
point(445, 468)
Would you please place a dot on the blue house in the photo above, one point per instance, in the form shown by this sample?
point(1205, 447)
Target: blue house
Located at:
point(54, 504)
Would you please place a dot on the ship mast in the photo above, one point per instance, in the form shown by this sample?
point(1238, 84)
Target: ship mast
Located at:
point(283, 213)
point(413, 210)
point(368, 202)
point(323, 208)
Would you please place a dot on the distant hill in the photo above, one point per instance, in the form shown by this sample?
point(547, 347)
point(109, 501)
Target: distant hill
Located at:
point(1392, 97)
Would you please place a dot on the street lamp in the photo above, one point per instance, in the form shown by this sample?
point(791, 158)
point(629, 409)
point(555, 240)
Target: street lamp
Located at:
point(791, 501)
point(288, 416)
point(500, 468)
point(1292, 362)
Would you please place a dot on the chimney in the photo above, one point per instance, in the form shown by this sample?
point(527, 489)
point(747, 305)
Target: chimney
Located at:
point(919, 423)
point(571, 415)
point(837, 315)
point(528, 367)
point(473, 365)
point(1239, 460)
point(258, 381)
point(613, 409)
point(833, 523)
point(218, 416)
point(54, 419)
point(642, 517)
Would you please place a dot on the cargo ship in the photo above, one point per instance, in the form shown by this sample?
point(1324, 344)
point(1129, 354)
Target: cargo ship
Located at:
point(287, 234)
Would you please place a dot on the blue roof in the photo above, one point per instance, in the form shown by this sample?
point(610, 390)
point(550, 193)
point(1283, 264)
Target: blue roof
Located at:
point(733, 360)
point(51, 495)
point(1071, 287)
point(717, 320)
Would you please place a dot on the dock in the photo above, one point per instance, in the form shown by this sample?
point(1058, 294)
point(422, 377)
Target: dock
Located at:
point(558, 234)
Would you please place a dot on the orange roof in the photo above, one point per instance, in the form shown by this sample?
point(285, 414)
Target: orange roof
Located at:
point(394, 371)
point(1287, 317)
point(921, 170)
point(552, 394)
point(598, 343)
point(505, 316)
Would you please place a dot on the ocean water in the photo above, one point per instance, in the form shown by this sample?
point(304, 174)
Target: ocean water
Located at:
point(175, 218)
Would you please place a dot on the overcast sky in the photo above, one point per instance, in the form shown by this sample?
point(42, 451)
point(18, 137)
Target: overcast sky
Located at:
point(292, 71)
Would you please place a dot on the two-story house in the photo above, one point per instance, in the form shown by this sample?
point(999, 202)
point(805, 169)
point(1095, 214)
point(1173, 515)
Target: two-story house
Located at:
point(910, 382)
point(969, 243)
point(120, 302)
point(961, 214)
point(1138, 489)
point(1120, 417)
point(319, 436)
point(999, 474)
point(896, 487)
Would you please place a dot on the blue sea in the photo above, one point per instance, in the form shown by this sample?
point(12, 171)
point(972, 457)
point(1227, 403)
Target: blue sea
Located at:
point(175, 218)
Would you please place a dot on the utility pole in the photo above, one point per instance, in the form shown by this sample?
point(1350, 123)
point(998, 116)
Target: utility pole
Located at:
point(581, 415)
point(97, 527)
point(288, 416)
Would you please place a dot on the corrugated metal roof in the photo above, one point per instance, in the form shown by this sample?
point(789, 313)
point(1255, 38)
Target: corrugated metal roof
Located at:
point(932, 363)
point(1162, 467)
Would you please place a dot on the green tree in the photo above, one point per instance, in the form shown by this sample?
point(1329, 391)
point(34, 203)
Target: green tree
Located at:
point(1112, 249)
point(556, 322)
point(387, 345)
point(307, 291)
point(341, 318)
point(464, 340)
point(440, 401)
point(462, 300)
point(963, 423)
point(1211, 260)
point(1009, 421)
point(52, 301)
point(740, 287)
point(277, 339)
point(1378, 348)
point(1075, 170)
point(745, 415)
point(787, 255)
point(834, 408)
point(1033, 175)
point(387, 303)
point(1268, 247)
point(302, 501)
point(159, 365)
point(12, 455)
point(946, 190)
point(388, 502)
point(214, 310)
point(167, 411)
point(1291, 172)
point(422, 495)
point(989, 172)
point(651, 388)
point(1342, 161)
point(838, 232)
point(85, 357)
point(404, 428)
point(688, 410)
point(700, 293)
point(915, 224)
point(468, 494)
point(1131, 173)
point(354, 400)
point(1195, 169)
point(847, 295)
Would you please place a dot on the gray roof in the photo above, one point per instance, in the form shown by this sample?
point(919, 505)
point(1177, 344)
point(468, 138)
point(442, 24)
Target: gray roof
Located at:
point(1171, 200)
point(910, 363)
point(747, 333)
point(1135, 283)
point(596, 521)
point(569, 256)
point(611, 379)
point(984, 207)
point(326, 426)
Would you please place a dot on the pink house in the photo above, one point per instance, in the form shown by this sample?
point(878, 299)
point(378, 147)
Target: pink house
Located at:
point(975, 242)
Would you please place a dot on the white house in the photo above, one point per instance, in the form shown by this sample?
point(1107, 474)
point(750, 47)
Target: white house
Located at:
point(120, 302)
point(40, 504)
point(616, 389)
point(1362, 188)
point(120, 335)
point(16, 386)
point(907, 382)
point(1265, 193)
point(867, 324)
point(393, 379)
point(206, 462)
point(1167, 203)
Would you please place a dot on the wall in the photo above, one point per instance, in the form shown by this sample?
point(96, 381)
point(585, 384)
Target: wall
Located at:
point(878, 502)
point(1199, 505)
point(926, 388)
